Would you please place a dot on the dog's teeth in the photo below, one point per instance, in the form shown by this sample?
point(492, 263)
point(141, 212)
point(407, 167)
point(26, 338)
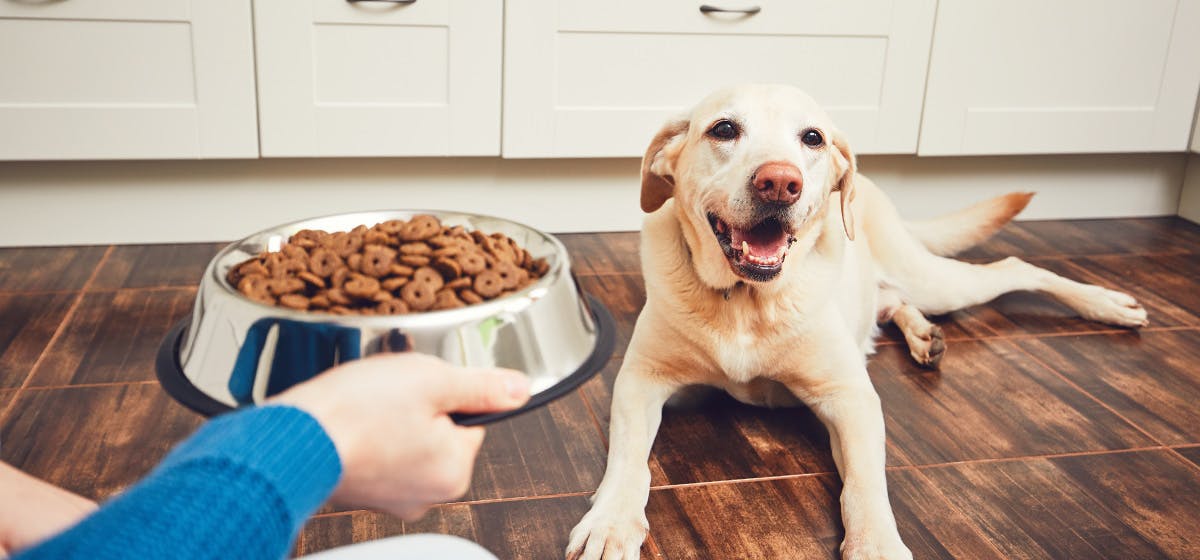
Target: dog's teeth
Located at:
point(746, 249)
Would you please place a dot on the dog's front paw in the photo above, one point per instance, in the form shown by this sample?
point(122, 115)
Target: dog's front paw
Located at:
point(890, 548)
point(605, 536)
point(1114, 308)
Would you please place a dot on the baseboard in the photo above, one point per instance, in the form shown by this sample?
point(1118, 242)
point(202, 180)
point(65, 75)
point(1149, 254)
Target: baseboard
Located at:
point(68, 203)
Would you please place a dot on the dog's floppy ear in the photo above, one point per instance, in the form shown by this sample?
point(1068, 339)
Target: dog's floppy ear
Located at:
point(846, 166)
point(658, 183)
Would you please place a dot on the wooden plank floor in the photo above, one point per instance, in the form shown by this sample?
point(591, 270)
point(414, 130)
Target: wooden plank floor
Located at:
point(1043, 436)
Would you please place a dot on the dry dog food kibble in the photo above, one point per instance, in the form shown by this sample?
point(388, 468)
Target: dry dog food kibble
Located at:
point(392, 268)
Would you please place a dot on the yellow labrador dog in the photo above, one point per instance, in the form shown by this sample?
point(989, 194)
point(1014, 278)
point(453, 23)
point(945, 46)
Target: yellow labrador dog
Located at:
point(768, 261)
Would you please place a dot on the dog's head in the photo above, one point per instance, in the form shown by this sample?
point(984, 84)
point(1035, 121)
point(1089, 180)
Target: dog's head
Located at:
point(748, 167)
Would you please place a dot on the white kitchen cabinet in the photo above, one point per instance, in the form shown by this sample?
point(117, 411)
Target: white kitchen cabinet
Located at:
point(596, 79)
point(377, 78)
point(1196, 133)
point(126, 79)
point(1029, 76)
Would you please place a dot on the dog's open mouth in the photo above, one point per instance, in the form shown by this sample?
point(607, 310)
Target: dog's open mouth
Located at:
point(757, 252)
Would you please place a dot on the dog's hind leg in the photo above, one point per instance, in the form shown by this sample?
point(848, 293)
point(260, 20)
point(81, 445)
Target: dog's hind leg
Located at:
point(926, 343)
point(939, 285)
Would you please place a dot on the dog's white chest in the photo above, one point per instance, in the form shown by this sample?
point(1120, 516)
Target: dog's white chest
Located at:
point(741, 356)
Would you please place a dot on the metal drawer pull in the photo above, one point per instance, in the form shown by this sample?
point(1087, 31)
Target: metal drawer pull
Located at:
point(387, 1)
point(706, 9)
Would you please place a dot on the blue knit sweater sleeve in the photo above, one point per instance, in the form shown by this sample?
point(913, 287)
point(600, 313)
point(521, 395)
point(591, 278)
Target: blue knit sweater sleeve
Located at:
point(240, 487)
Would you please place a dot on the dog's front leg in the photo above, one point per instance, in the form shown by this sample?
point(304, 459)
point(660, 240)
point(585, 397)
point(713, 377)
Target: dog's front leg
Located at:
point(616, 525)
point(841, 395)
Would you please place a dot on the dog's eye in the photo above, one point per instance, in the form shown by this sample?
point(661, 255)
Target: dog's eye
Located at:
point(812, 139)
point(723, 130)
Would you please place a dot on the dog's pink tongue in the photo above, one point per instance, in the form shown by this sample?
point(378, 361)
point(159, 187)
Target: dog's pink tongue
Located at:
point(763, 242)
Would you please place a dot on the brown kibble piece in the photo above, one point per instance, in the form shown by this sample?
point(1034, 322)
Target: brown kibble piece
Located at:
point(319, 301)
point(429, 277)
point(401, 270)
point(377, 260)
point(323, 262)
point(459, 283)
point(392, 307)
point(346, 244)
point(338, 297)
point(294, 301)
point(281, 286)
point(415, 249)
point(414, 260)
point(448, 267)
point(447, 299)
point(472, 263)
point(418, 295)
point(361, 286)
point(470, 297)
point(393, 284)
point(488, 284)
point(313, 279)
point(508, 274)
point(420, 228)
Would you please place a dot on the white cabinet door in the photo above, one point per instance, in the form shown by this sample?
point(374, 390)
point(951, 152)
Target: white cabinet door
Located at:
point(126, 79)
point(1196, 133)
point(1030, 76)
point(594, 79)
point(377, 78)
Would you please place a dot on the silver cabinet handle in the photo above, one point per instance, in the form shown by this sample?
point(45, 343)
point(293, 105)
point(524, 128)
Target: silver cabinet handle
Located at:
point(387, 1)
point(707, 9)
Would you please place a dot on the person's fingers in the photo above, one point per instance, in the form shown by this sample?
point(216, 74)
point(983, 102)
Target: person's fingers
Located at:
point(474, 390)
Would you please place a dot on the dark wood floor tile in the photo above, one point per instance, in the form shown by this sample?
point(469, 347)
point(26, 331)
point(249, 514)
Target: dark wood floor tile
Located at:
point(623, 295)
point(1152, 378)
point(6, 398)
point(27, 323)
point(29, 269)
point(718, 438)
point(517, 530)
point(799, 518)
point(155, 266)
point(113, 336)
point(1047, 238)
point(795, 518)
point(1116, 505)
point(553, 450)
point(989, 400)
point(95, 441)
point(603, 253)
point(1191, 453)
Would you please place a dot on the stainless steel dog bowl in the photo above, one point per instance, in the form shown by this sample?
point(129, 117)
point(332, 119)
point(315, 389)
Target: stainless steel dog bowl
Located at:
point(234, 352)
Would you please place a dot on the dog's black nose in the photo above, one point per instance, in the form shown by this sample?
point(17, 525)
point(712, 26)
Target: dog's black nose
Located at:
point(778, 182)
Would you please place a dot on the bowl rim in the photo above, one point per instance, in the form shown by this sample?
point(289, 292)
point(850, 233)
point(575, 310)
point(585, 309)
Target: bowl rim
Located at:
point(512, 303)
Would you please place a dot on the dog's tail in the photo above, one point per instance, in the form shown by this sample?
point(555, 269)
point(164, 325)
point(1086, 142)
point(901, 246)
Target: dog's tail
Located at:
point(956, 232)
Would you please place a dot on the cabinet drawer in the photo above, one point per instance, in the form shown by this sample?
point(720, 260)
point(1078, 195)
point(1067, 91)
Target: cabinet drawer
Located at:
point(596, 79)
point(126, 79)
point(378, 79)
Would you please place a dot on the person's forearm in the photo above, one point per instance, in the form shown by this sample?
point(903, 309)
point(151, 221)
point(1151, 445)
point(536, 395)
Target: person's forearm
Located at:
point(241, 487)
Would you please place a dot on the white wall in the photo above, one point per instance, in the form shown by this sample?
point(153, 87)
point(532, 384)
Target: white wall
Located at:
point(50, 203)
